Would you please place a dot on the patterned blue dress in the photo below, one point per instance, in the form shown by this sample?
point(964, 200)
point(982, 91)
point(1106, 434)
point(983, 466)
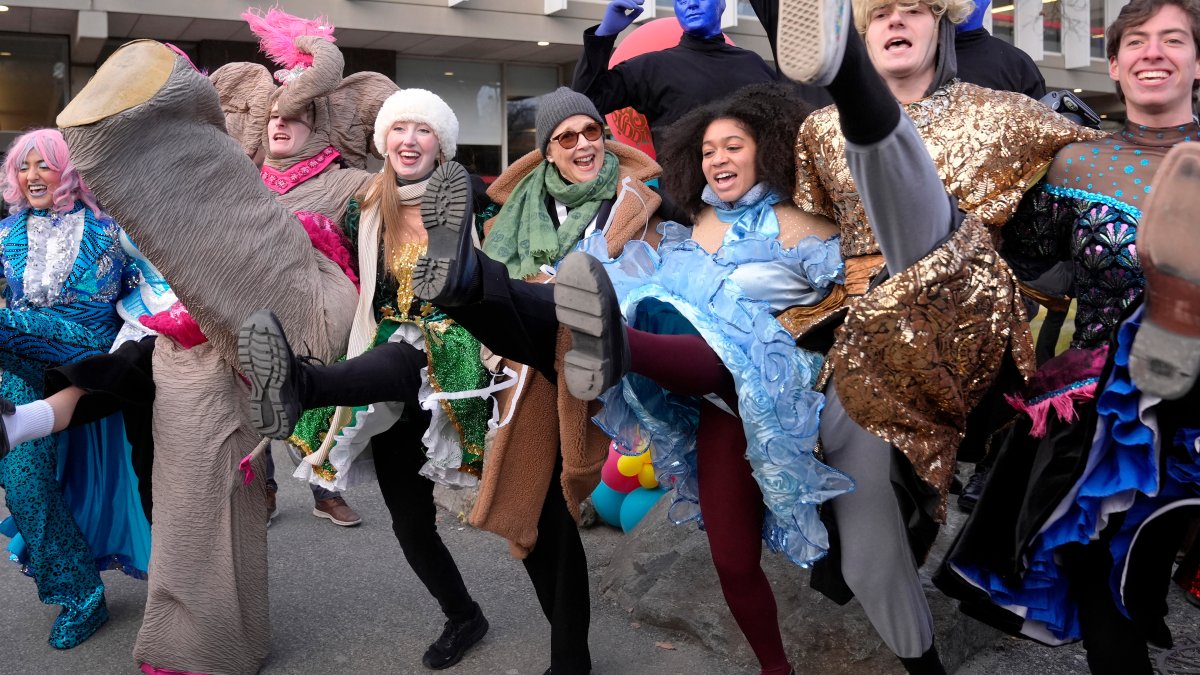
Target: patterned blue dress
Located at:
point(731, 299)
point(72, 495)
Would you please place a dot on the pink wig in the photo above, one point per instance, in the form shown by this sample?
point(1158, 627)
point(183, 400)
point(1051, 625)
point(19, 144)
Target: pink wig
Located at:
point(50, 145)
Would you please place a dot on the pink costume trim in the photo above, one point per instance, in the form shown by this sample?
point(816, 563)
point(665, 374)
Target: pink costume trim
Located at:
point(328, 239)
point(176, 323)
point(284, 181)
point(247, 470)
point(277, 32)
point(1062, 402)
point(151, 670)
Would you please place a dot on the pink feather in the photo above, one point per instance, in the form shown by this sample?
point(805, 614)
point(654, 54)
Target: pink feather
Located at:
point(1062, 404)
point(277, 31)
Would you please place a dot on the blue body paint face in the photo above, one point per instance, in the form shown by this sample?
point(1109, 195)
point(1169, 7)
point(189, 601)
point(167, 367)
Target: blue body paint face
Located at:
point(701, 18)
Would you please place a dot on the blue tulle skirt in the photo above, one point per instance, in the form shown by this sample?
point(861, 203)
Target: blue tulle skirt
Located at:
point(684, 289)
point(1126, 472)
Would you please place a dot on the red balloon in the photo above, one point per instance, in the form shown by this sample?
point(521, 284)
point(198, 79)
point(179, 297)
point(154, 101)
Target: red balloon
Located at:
point(628, 125)
point(613, 478)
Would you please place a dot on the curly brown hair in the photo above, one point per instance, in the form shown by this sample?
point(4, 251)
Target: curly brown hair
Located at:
point(771, 113)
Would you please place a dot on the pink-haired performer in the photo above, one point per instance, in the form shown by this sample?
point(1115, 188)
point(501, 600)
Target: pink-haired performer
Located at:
point(64, 266)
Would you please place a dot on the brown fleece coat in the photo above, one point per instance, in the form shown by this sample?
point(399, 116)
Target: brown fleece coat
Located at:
point(520, 462)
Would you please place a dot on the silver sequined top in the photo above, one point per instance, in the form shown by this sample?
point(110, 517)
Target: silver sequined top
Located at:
point(53, 247)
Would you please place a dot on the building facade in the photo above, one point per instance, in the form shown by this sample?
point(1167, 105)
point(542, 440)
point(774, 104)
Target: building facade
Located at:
point(490, 59)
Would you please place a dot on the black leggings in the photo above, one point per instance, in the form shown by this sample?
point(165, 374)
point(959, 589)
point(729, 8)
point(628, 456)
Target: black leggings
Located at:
point(408, 495)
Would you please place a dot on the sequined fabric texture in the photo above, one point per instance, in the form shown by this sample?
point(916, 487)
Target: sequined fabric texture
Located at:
point(988, 146)
point(917, 353)
point(1087, 210)
point(78, 273)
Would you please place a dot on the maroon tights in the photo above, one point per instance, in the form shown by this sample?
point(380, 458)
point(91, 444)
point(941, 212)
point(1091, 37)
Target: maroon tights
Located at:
point(730, 500)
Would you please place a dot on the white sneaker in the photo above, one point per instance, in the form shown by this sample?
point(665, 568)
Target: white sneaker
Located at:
point(812, 38)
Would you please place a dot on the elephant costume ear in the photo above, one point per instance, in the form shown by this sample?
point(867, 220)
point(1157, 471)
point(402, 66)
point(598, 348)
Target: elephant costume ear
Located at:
point(245, 90)
point(312, 66)
point(301, 87)
point(352, 109)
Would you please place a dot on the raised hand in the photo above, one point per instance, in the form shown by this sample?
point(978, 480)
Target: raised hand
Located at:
point(618, 16)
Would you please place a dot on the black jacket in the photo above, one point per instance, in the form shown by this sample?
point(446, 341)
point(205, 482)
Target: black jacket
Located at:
point(988, 61)
point(664, 85)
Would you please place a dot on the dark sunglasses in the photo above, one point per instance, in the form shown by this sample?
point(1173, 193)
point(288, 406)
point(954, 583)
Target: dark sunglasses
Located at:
point(568, 139)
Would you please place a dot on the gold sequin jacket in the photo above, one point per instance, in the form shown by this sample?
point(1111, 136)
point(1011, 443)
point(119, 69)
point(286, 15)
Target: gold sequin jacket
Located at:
point(988, 146)
point(918, 352)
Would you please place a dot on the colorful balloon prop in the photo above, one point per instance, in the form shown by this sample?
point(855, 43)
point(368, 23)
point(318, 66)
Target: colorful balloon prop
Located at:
point(611, 476)
point(628, 487)
point(636, 505)
point(628, 125)
point(608, 504)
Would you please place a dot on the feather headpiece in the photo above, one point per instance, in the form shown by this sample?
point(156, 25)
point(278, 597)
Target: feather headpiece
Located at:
point(277, 32)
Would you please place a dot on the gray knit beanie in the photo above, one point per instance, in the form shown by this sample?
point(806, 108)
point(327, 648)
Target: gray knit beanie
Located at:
point(558, 106)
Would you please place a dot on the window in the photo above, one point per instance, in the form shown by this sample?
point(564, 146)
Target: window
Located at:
point(34, 80)
point(472, 91)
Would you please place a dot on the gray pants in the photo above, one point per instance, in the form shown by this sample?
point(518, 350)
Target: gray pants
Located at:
point(910, 214)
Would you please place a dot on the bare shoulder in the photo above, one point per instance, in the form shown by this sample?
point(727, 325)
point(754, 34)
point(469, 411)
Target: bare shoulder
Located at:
point(796, 224)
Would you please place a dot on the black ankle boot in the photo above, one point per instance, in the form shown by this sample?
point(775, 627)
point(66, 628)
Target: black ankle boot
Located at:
point(925, 664)
point(448, 273)
point(455, 640)
point(974, 488)
point(276, 379)
point(586, 303)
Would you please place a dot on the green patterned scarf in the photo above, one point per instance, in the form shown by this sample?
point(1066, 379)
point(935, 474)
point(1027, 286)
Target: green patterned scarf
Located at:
point(523, 236)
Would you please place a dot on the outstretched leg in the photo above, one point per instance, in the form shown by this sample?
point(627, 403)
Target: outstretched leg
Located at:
point(282, 386)
point(1165, 359)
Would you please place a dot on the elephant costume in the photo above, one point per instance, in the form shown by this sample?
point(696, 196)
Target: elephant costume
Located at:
point(149, 135)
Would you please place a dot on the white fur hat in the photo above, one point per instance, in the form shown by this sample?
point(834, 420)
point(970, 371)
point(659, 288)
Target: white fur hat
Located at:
point(418, 105)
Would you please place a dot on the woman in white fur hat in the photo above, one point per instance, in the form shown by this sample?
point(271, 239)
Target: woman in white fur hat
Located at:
point(418, 434)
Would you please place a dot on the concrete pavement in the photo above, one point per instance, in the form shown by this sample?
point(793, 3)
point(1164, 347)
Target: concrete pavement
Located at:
point(343, 600)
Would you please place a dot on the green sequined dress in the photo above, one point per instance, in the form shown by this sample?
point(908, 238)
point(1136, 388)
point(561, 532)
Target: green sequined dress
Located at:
point(454, 440)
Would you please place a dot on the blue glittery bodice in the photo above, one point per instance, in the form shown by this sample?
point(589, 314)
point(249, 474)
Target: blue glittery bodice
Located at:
point(1087, 210)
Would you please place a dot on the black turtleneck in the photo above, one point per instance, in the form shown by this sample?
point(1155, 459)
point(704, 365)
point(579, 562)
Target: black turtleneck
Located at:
point(664, 85)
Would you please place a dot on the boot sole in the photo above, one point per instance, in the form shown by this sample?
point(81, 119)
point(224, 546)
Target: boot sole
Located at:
point(1165, 357)
point(810, 38)
point(262, 355)
point(580, 305)
point(442, 210)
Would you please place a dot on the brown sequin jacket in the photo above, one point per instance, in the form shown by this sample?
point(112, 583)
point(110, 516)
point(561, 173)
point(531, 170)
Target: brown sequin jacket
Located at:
point(917, 353)
point(989, 147)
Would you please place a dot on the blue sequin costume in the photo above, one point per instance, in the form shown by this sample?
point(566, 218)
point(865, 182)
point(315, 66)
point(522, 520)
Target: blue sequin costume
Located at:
point(1087, 210)
point(64, 273)
point(725, 298)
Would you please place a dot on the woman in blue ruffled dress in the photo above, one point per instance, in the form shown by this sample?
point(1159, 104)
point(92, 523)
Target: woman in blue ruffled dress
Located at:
point(715, 380)
point(72, 496)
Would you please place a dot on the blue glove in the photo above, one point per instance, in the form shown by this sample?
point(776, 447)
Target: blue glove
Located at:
point(618, 15)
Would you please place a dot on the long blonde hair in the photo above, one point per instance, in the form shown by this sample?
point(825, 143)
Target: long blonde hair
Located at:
point(382, 194)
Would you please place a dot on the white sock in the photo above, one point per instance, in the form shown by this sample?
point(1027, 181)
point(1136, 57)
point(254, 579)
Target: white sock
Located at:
point(29, 422)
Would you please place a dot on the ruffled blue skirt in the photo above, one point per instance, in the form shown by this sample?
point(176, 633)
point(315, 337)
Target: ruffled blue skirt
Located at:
point(684, 289)
point(1127, 472)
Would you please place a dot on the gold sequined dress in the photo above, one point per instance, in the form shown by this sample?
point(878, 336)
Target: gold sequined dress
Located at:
point(917, 352)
